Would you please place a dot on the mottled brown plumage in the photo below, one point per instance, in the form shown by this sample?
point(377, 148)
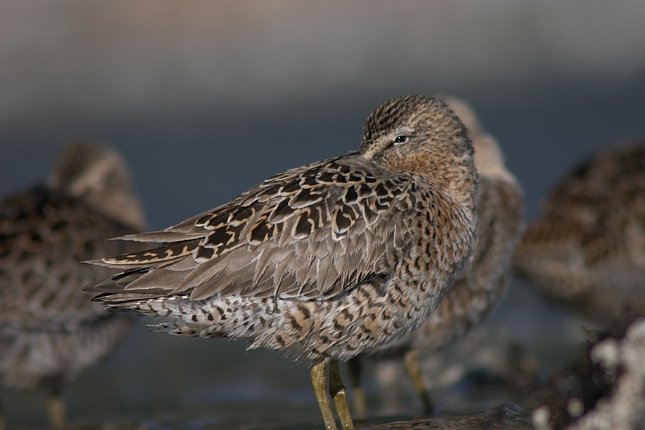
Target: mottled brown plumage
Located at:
point(325, 260)
point(49, 328)
point(586, 249)
point(499, 226)
point(482, 283)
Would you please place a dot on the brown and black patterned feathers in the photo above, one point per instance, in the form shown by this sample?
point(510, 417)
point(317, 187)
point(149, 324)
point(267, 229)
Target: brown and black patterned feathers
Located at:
point(587, 246)
point(47, 230)
point(309, 232)
point(482, 284)
point(44, 234)
point(50, 327)
point(317, 230)
point(324, 260)
point(500, 222)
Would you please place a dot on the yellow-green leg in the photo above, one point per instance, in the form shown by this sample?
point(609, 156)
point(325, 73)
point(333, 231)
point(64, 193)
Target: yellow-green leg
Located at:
point(318, 377)
point(413, 370)
point(355, 368)
point(338, 393)
point(56, 410)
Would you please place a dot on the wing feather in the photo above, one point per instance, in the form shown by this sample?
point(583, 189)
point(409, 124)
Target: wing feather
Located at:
point(303, 233)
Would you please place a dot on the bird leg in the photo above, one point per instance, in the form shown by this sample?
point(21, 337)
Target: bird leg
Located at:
point(56, 409)
point(413, 371)
point(318, 377)
point(355, 367)
point(338, 393)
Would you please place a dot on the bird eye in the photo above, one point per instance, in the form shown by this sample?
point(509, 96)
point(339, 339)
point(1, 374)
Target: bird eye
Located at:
point(401, 139)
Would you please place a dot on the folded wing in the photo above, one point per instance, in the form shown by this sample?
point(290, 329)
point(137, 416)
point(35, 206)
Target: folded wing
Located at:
point(309, 233)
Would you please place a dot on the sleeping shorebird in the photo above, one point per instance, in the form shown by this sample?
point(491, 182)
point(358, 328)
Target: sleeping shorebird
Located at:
point(49, 329)
point(586, 249)
point(323, 261)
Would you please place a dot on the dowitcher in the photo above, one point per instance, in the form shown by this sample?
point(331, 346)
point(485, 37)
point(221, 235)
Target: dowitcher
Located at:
point(49, 329)
point(323, 261)
point(586, 249)
point(482, 283)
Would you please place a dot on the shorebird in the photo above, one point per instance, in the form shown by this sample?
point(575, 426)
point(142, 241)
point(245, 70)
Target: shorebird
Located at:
point(325, 260)
point(480, 286)
point(49, 329)
point(586, 249)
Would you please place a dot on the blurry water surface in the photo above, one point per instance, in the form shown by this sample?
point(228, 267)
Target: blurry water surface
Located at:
point(206, 99)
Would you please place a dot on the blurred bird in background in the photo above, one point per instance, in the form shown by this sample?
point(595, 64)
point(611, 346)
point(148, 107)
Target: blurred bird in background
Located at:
point(49, 329)
point(586, 249)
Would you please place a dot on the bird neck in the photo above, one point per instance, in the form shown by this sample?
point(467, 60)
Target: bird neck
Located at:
point(455, 175)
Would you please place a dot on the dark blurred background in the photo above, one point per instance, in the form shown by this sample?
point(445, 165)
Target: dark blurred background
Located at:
point(205, 99)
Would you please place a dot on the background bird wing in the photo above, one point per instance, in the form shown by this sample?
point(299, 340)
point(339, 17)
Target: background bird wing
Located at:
point(44, 235)
point(310, 232)
point(593, 219)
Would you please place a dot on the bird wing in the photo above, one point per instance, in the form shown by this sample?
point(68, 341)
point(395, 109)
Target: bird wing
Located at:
point(593, 220)
point(311, 232)
point(43, 236)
